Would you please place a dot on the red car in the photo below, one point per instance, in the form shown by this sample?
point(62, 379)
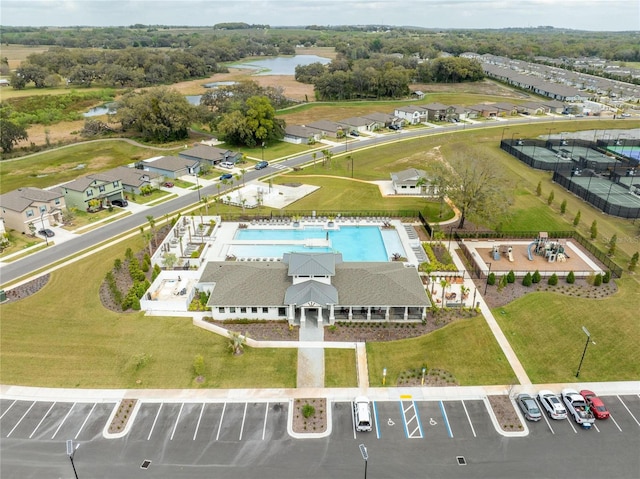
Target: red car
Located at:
point(595, 404)
point(167, 184)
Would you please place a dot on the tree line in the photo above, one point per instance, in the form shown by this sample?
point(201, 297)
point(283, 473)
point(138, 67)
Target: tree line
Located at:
point(383, 76)
point(239, 40)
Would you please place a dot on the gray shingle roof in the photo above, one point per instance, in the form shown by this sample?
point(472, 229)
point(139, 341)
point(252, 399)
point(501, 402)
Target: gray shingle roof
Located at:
point(22, 198)
point(312, 264)
point(170, 163)
point(311, 292)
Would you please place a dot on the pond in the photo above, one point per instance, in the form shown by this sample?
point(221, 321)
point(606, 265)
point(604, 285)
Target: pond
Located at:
point(282, 65)
point(217, 84)
point(100, 110)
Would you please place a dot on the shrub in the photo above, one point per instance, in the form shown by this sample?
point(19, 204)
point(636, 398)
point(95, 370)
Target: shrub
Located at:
point(308, 410)
point(198, 365)
point(571, 278)
point(594, 229)
point(553, 279)
point(597, 281)
point(563, 207)
point(550, 198)
point(576, 220)
point(612, 245)
point(634, 261)
point(117, 264)
point(491, 279)
point(511, 277)
point(539, 188)
point(526, 281)
point(535, 278)
point(606, 277)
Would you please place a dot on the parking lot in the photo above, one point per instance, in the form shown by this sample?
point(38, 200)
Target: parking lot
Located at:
point(207, 422)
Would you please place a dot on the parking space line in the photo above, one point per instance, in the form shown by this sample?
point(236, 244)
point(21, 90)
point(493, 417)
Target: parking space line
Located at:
point(63, 421)
point(23, 416)
point(630, 414)
point(175, 426)
point(569, 420)
point(404, 422)
point(244, 415)
point(154, 421)
point(446, 419)
point(353, 420)
point(416, 432)
point(264, 426)
point(14, 401)
point(375, 416)
point(596, 427)
point(85, 420)
point(221, 418)
point(42, 420)
point(544, 416)
point(615, 422)
point(195, 433)
point(469, 418)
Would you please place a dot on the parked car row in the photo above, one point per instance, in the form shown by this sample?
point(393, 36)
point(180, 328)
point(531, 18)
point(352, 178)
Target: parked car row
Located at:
point(584, 406)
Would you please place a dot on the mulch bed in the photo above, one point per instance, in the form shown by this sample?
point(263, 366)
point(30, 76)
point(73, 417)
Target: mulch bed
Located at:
point(505, 413)
point(316, 422)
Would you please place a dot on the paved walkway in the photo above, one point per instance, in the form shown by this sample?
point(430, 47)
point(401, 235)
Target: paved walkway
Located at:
point(311, 360)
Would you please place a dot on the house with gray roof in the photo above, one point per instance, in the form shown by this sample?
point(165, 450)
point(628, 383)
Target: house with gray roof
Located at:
point(413, 182)
point(93, 192)
point(413, 115)
point(314, 285)
point(327, 128)
point(301, 135)
point(35, 206)
point(133, 179)
point(358, 123)
point(211, 155)
point(438, 111)
point(171, 166)
point(382, 120)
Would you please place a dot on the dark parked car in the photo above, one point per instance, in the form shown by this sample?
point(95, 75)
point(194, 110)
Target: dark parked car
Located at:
point(46, 232)
point(354, 133)
point(226, 176)
point(119, 202)
point(167, 184)
point(394, 127)
point(261, 164)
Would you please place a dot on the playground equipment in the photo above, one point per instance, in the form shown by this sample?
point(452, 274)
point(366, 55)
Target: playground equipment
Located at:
point(496, 253)
point(510, 253)
point(552, 250)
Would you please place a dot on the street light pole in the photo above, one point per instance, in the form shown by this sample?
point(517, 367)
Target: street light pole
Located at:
point(487, 282)
point(586, 345)
point(71, 450)
point(365, 456)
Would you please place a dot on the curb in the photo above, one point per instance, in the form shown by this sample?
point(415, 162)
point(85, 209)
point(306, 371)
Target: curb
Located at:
point(132, 417)
point(310, 435)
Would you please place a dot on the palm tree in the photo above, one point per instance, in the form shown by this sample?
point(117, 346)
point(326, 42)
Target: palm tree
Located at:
point(464, 292)
point(444, 283)
point(236, 342)
point(314, 155)
point(147, 235)
point(243, 171)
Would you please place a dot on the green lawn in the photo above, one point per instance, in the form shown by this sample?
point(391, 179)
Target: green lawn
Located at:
point(545, 330)
point(59, 166)
point(63, 337)
point(466, 349)
point(340, 368)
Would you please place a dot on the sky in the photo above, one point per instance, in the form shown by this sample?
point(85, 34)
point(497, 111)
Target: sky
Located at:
point(596, 15)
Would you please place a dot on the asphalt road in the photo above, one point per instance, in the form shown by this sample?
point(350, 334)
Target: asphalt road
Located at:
point(33, 262)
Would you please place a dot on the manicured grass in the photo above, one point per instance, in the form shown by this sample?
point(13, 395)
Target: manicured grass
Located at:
point(63, 337)
point(545, 330)
point(340, 368)
point(337, 193)
point(466, 349)
point(66, 164)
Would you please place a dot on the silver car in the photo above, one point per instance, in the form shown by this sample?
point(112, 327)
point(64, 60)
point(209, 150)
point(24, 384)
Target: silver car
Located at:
point(529, 407)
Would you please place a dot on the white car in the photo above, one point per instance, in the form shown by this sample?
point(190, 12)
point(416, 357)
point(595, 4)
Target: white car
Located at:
point(552, 404)
point(362, 414)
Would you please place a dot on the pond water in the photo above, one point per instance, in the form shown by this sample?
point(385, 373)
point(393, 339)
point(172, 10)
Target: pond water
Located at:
point(282, 65)
point(100, 110)
point(217, 84)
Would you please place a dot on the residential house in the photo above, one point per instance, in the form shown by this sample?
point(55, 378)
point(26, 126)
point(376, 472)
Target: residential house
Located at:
point(133, 179)
point(411, 114)
point(31, 206)
point(438, 111)
point(171, 166)
point(211, 155)
point(413, 182)
point(327, 128)
point(301, 135)
point(93, 192)
point(505, 108)
point(482, 111)
point(358, 123)
point(382, 120)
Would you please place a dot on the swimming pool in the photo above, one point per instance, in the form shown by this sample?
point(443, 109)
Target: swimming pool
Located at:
point(356, 243)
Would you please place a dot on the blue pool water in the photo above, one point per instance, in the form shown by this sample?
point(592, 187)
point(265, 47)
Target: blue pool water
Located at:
point(363, 243)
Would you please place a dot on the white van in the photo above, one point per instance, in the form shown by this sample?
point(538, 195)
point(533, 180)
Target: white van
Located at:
point(362, 414)
point(227, 164)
